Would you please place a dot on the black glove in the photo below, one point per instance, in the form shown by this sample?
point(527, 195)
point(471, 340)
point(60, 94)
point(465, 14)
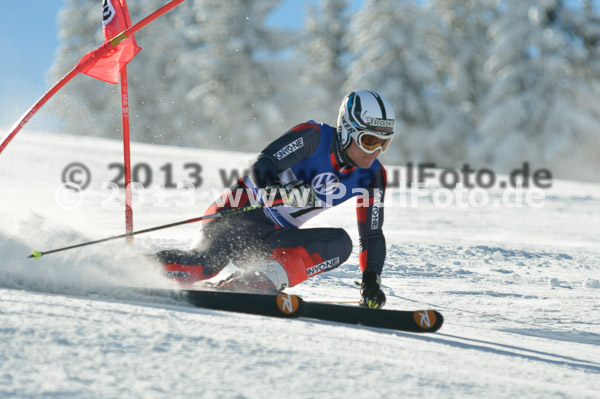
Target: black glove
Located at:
point(296, 193)
point(370, 290)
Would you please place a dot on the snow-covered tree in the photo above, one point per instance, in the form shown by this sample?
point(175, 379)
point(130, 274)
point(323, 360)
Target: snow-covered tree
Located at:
point(489, 82)
point(322, 59)
point(158, 110)
point(428, 61)
point(389, 56)
point(545, 77)
point(159, 80)
point(458, 47)
point(82, 103)
point(234, 91)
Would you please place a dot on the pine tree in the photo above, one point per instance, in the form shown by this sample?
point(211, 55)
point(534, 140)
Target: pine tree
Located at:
point(234, 92)
point(388, 56)
point(322, 54)
point(82, 103)
point(541, 107)
point(158, 109)
point(158, 79)
point(458, 46)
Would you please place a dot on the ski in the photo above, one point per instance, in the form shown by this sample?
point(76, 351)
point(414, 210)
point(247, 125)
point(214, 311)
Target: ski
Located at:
point(293, 306)
point(280, 305)
point(290, 306)
point(419, 321)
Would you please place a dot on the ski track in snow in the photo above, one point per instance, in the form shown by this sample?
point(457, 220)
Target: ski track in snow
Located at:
point(519, 289)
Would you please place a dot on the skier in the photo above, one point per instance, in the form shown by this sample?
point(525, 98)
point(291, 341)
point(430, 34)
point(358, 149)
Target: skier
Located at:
point(311, 168)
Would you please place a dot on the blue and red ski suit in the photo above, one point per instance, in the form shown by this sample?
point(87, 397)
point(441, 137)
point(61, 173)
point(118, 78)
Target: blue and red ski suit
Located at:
point(309, 152)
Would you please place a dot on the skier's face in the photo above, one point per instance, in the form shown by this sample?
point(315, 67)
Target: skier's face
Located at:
point(361, 158)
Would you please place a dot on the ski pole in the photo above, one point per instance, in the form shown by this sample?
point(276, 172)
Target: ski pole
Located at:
point(227, 212)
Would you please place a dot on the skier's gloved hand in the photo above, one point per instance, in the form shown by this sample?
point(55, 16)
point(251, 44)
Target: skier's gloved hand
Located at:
point(297, 194)
point(370, 290)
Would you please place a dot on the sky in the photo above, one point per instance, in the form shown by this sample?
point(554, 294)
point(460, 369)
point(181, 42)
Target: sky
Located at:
point(28, 41)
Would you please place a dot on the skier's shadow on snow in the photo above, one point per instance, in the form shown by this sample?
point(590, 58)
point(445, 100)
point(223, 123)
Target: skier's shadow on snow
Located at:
point(506, 350)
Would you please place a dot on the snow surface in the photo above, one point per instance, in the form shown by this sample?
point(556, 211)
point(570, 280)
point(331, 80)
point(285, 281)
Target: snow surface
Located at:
point(519, 289)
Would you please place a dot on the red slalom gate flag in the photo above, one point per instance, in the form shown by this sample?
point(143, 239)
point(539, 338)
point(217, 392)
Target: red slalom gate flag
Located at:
point(85, 64)
point(115, 19)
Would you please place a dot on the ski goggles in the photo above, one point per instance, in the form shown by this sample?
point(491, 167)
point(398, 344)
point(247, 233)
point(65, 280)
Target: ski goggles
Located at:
point(370, 142)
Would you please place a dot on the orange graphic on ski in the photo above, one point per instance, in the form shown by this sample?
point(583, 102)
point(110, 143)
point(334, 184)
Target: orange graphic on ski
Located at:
point(425, 319)
point(288, 304)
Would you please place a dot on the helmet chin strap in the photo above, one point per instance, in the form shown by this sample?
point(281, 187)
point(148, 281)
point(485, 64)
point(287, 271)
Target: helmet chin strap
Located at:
point(343, 153)
point(347, 159)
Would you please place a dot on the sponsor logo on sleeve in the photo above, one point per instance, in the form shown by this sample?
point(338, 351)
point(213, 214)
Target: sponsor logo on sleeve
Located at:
point(288, 149)
point(375, 214)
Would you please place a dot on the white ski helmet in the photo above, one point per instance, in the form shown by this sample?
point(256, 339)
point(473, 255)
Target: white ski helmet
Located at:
point(368, 118)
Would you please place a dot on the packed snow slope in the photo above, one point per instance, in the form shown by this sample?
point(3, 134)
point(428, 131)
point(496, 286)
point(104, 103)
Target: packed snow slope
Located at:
point(519, 288)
